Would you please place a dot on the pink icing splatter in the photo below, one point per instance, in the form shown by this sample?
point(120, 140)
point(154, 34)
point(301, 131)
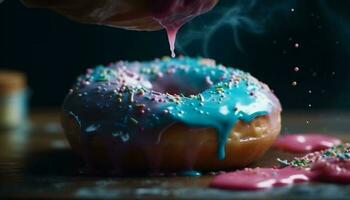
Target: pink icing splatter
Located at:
point(304, 143)
point(260, 178)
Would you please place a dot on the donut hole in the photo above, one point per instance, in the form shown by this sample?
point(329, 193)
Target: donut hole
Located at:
point(181, 85)
point(174, 89)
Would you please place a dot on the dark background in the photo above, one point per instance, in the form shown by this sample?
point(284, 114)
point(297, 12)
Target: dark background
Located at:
point(256, 36)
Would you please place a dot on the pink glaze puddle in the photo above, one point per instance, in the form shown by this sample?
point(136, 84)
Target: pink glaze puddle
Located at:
point(304, 143)
point(260, 178)
point(172, 14)
point(328, 170)
point(332, 170)
point(331, 165)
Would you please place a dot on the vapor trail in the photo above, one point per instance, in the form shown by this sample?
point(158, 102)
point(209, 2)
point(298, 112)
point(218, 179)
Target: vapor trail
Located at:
point(251, 16)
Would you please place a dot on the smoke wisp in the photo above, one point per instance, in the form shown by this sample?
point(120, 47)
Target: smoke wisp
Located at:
point(237, 15)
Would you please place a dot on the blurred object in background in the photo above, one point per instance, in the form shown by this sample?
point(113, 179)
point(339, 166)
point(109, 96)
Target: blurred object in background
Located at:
point(13, 99)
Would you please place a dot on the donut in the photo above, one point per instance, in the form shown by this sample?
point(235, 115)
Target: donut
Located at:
point(169, 115)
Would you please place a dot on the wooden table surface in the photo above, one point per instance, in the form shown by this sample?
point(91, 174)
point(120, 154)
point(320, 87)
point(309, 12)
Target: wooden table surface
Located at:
point(36, 162)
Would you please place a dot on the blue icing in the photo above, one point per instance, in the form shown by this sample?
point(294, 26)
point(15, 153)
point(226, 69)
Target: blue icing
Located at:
point(191, 173)
point(131, 98)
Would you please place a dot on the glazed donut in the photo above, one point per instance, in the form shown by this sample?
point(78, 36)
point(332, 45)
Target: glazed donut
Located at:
point(170, 115)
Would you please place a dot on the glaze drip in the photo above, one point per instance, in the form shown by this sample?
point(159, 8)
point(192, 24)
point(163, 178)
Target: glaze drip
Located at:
point(173, 14)
point(125, 99)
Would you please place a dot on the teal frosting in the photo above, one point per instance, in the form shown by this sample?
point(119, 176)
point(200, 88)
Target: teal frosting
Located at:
point(192, 173)
point(125, 100)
